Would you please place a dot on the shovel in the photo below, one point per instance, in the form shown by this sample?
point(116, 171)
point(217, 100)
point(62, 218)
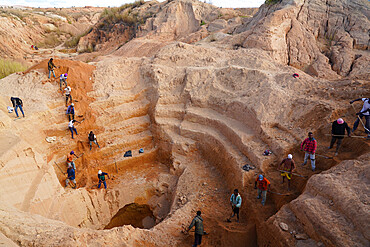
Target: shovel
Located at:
point(323, 156)
point(296, 174)
point(360, 119)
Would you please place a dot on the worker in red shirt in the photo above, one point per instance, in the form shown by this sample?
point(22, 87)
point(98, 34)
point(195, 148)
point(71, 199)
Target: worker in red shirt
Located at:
point(263, 186)
point(309, 145)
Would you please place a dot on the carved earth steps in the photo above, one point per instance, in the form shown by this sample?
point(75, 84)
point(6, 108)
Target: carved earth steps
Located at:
point(217, 149)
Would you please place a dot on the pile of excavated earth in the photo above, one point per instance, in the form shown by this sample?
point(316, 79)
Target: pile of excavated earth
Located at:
point(203, 91)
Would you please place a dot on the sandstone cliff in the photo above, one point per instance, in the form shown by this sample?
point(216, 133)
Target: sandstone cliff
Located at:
point(323, 38)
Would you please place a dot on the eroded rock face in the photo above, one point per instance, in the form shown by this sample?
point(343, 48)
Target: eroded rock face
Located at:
point(332, 206)
point(302, 33)
point(36, 27)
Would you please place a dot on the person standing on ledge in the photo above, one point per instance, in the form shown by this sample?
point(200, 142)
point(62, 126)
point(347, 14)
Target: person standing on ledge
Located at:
point(92, 139)
point(235, 202)
point(287, 166)
point(101, 176)
point(71, 112)
point(70, 161)
point(51, 67)
point(63, 78)
point(68, 94)
point(365, 112)
point(199, 230)
point(72, 127)
point(263, 186)
point(309, 145)
point(17, 103)
point(71, 176)
point(338, 129)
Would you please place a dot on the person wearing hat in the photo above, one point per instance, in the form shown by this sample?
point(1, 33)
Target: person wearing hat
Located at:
point(63, 78)
point(68, 94)
point(236, 202)
point(70, 161)
point(71, 176)
point(51, 67)
point(287, 166)
point(338, 130)
point(101, 176)
point(92, 139)
point(263, 186)
point(71, 112)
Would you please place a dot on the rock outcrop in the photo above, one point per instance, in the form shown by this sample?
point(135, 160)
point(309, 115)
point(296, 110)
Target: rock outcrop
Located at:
point(332, 206)
point(319, 37)
point(22, 29)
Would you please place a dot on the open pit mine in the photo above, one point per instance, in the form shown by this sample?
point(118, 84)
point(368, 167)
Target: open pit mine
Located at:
point(184, 98)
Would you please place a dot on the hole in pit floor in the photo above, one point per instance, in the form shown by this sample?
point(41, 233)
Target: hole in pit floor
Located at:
point(137, 215)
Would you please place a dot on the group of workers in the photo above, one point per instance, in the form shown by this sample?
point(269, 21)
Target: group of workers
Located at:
point(71, 157)
point(288, 166)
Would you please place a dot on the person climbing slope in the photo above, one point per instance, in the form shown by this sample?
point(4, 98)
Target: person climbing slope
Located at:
point(92, 139)
point(71, 112)
point(51, 67)
point(235, 202)
point(365, 112)
point(287, 166)
point(338, 129)
point(68, 94)
point(199, 229)
point(71, 176)
point(72, 127)
point(263, 186)
point(63, 79)
point(17, 103)
point(70, 159)
point(309, 145)
point(101, 176)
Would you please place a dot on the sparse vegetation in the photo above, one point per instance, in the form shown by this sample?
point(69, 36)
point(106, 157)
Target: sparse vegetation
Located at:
point(73, 42)
point(123, 14)
point(202, 23)
point(13, 12)
point(8, 67)
point(272, 1)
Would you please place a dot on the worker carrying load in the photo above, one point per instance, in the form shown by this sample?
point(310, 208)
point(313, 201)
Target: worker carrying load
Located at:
point(338, 129)
point(287, 166)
